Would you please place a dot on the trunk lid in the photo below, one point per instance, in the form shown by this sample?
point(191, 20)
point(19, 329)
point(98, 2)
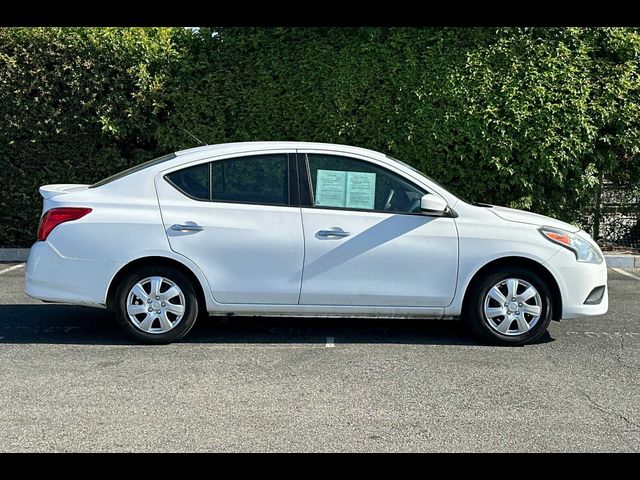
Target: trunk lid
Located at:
point(48, 191)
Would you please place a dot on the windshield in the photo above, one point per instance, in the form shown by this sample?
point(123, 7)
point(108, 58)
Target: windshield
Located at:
point(134, 169)
point(450, 190)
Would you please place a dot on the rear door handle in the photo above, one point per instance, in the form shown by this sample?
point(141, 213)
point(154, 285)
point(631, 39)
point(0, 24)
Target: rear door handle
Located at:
point(332, 233)
point(186, 228)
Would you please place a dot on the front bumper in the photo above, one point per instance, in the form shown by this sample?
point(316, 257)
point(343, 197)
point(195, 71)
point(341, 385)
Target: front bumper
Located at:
point(577, 281)
point(50, 276)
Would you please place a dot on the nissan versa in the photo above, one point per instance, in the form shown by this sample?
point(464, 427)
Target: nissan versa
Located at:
point(305, 230)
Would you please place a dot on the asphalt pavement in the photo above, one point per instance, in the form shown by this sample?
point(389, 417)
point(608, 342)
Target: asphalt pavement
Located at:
point(70, 381)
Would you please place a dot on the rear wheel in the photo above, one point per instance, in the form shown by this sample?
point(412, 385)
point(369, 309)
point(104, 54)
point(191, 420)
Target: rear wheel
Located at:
point(156, 304)
point(510, 307)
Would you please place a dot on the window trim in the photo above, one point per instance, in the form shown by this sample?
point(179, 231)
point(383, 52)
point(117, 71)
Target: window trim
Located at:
point(293, 190)
point(304, 179)
point(309, 181)
point(210, 182)
point(293, 178)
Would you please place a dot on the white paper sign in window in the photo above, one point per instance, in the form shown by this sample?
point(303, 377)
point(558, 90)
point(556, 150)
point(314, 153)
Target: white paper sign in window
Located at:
point(331, 188)
point(361, 190)
point(336, 188)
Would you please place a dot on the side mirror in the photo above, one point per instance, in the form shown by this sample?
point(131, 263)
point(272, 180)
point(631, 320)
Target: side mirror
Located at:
point(433, 204)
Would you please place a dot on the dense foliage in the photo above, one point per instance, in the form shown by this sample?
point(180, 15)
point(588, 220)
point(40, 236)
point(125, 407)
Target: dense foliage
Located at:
point(527, 117)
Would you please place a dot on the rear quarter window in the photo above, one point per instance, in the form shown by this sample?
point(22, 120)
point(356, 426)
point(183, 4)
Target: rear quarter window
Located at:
point(194, 182)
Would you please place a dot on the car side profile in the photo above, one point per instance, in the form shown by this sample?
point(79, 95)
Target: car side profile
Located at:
point(305, 230)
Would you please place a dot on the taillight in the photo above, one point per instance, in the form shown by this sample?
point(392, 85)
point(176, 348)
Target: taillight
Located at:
point(54, 217)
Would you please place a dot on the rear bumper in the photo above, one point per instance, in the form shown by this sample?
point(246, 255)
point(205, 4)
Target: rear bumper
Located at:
point(51, 277)
point(576, 281)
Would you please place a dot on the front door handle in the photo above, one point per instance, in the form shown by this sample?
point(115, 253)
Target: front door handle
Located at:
point(186, 228)
point(332, 233)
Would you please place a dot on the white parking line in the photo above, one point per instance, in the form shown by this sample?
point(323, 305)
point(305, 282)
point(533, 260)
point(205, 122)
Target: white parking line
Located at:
point(330, 342)
point(10, 269)
point(622, 272)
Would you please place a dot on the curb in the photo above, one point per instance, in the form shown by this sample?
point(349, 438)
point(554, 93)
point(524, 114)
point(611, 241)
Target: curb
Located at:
point(623, 261)
point(14, 254)
point(613, 261)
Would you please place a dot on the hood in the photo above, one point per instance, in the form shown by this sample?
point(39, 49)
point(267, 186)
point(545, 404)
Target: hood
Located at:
point(513, 215)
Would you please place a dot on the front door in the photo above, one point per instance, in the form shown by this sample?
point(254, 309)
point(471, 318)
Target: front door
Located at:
point(368, 244)
point(238, 219)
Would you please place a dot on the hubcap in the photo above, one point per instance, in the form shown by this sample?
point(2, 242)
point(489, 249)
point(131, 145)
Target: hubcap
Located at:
point(155, 305)
point(512, 307)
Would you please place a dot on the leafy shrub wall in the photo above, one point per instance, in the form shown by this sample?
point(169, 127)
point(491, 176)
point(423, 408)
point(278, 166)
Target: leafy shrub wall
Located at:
point(526, 117)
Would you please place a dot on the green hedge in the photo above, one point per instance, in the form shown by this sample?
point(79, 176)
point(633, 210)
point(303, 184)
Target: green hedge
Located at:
point(527, 117)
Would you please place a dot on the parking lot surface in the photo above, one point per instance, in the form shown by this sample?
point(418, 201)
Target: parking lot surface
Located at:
point(71, 381)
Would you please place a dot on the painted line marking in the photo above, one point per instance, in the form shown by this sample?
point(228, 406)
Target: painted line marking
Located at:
point(330, 342)
point(619, 270)
point(15, 267)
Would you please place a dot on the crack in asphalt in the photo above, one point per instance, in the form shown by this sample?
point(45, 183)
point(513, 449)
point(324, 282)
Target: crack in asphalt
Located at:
point(592, 404)
point(601, 409)
point(618, 356)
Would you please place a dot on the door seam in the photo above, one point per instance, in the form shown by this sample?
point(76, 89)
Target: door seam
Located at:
point(304, 237)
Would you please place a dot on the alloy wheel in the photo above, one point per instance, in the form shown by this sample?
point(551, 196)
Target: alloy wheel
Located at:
point(512, 307)
point(155, 305)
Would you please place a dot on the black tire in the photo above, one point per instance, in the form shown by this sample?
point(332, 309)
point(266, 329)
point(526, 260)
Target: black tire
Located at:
point(476, 319)
point(185, 324)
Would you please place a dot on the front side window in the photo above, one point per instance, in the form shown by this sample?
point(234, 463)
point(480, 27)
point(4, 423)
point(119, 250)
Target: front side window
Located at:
point(343, 182)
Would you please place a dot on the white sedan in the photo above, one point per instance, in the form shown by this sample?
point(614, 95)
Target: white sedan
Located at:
point(305, 230)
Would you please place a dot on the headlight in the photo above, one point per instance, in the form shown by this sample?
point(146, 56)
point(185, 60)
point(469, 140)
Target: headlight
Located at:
point(583, 250)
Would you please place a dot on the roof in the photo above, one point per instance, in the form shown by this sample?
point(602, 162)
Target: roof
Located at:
point(248, 146)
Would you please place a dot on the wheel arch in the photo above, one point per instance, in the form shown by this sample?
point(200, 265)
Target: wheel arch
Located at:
point(523, 262)
point(155, 261)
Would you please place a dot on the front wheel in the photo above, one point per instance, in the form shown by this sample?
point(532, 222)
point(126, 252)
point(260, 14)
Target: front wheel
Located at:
point(156, 305)
point(510, 307)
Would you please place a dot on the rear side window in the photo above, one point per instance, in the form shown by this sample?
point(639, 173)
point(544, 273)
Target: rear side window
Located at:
point(259, 179)
point(194, 181)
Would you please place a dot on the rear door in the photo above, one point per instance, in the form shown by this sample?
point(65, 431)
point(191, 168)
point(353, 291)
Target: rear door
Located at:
point(239, 220)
